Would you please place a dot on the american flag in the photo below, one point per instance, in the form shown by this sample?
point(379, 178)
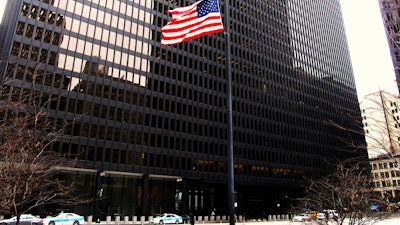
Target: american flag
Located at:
point(190, 22)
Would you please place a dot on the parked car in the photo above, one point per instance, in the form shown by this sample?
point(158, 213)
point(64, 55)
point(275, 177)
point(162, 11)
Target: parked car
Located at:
point(64, 219)
point(24, 219)
point(331, 213)
point(302, 217)
point(321, 216)
point(186, 218)
point(167, 218)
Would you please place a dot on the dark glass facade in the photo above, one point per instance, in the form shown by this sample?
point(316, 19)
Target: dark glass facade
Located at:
point(148, 122)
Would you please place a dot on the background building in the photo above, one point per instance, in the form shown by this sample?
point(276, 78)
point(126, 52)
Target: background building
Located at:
point(391, 21)
point(381, 116)
point(386, 177)
point(148, 122)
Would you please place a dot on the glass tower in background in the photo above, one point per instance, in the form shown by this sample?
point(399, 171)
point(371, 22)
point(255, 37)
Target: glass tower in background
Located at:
point(148, 122)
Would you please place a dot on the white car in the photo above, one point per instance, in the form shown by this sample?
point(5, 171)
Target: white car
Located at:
point(64, 219)
point(167, 218)
point(332, 213)
point(302, 218)
point(24, 219)
point(321, 216)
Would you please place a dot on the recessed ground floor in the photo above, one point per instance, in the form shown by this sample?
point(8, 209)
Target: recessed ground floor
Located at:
point(128, 194)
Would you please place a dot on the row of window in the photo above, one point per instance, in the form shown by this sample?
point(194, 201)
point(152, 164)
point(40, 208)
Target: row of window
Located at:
point(385, 175)
point(36, 13)
point(388, 183)
point(34, 53)
point(120, 156)
point(384, 165)
point(211, 145)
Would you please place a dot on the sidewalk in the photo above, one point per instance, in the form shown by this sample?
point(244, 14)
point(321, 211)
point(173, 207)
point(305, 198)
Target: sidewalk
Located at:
point(273, 222)
point(388, 221)
point(282, 222)
point(393, 220)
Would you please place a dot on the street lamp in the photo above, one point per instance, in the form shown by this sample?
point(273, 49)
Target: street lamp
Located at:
point(99, 194)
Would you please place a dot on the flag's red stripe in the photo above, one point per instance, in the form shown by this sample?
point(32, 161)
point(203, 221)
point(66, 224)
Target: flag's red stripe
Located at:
point(180, 21)
point(177, 13)
point(202, 34)
point(202, 30)
point(192, 37)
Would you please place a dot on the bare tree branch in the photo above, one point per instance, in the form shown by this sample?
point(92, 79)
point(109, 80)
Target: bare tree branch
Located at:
point(348, 191)
point(29, 167)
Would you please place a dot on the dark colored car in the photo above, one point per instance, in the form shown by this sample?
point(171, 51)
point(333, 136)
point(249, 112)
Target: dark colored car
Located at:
point(186, 218)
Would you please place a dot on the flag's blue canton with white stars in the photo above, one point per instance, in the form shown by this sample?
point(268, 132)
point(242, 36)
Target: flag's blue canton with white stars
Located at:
point(207, 6)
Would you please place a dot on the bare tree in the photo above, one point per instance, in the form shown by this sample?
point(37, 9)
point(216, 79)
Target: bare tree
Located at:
point(29, 168)
point(351, 189)
point(348, 191)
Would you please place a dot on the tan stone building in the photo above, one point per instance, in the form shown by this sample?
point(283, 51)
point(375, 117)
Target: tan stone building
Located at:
point(380, 117)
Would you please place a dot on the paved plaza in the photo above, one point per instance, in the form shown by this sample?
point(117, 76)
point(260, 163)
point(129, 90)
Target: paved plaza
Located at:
point(393, 220)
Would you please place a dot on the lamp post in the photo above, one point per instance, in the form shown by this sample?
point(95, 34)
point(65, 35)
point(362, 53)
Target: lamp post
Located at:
point(99, 195)
point(231, 186)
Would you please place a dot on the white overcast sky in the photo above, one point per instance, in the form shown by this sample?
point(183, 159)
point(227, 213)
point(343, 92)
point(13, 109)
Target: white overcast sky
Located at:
point(369, 51)
point(372, 65)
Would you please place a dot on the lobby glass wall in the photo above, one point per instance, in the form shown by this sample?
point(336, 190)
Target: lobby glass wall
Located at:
point(119, 194)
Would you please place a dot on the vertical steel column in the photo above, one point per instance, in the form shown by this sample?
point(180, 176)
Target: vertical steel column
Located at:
point(145, 194)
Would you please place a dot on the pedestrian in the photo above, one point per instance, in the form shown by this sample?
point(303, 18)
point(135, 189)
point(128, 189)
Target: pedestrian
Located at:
point(326, 217)
point(360, 216)
point(191, 216)
point(213, 215)
point(290, 217)
point(334, 217)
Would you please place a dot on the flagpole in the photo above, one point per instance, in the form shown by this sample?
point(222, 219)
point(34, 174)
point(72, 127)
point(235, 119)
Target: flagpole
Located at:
point(231, 175)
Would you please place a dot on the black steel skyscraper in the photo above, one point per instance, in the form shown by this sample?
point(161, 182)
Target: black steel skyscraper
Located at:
point(149, 121)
